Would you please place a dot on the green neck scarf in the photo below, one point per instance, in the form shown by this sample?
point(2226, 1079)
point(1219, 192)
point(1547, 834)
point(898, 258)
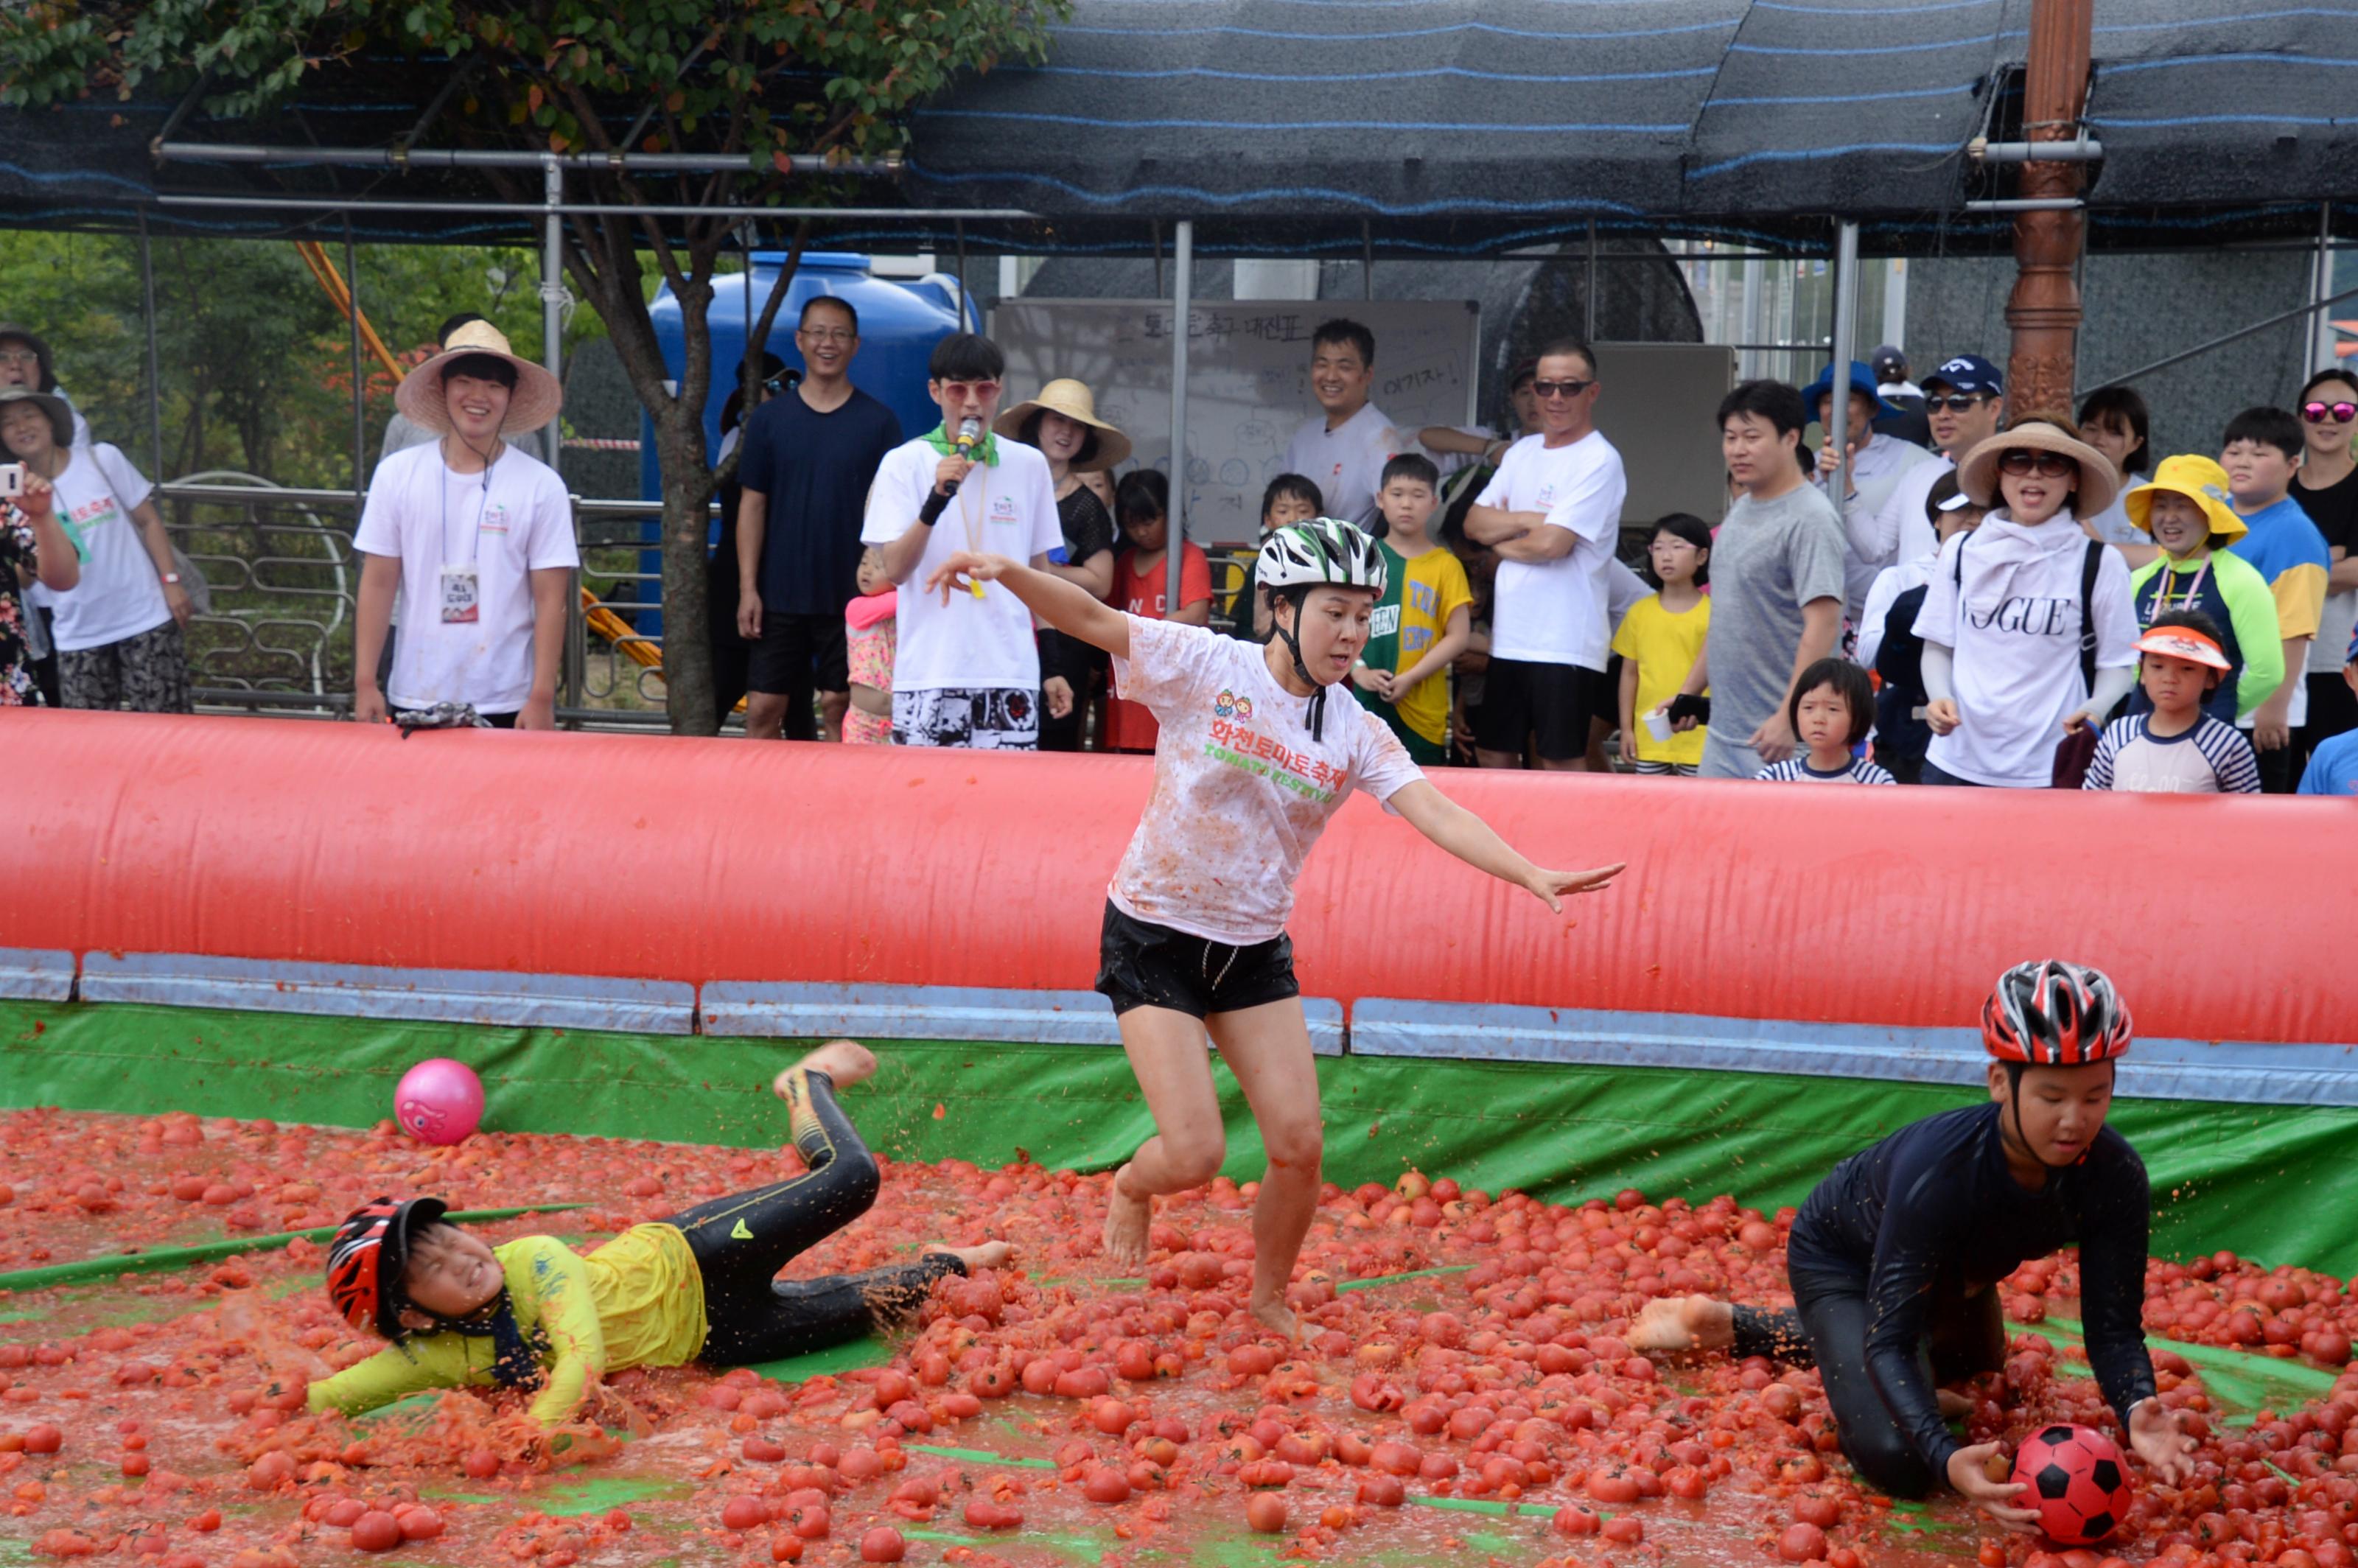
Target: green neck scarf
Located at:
point(986, 451)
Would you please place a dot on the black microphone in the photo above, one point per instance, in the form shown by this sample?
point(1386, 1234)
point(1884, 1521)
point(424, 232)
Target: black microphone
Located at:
point(969, 436)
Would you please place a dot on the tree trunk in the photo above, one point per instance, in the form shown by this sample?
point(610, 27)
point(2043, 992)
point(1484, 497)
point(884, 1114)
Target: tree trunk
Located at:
point(686, 528)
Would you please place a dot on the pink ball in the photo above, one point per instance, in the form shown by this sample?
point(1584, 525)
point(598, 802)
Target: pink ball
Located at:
point(438, 1101)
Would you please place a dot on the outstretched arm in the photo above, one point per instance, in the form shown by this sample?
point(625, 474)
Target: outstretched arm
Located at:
point(1477, 844)
point(1067, 606)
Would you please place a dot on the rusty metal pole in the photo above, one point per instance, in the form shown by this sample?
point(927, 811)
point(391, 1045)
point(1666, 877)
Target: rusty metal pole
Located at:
point(2044, 309)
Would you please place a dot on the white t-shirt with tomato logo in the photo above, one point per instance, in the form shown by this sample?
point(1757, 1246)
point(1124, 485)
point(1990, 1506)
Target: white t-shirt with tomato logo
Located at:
point(1242, 792)
point(119, 596)
point(1006, 508)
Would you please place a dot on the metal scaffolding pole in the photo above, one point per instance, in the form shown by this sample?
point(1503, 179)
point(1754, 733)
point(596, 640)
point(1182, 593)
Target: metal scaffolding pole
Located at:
point(1183, 279)
point(404, 158)
point(552, 281)
point(1845, 306)
point(360, 371)
point(155, 360)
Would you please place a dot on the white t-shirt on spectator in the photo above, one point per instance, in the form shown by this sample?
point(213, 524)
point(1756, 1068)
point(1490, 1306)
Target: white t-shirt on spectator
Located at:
point(2112, 525)
point(507, 521)
point(2015, 634)
point(1242, 792)
point(1008, 509)
point(1876, 473)
point(1554, 612)
point(1900, 526)
point(1451, 462)
point(1345, 463)
point(120, 595)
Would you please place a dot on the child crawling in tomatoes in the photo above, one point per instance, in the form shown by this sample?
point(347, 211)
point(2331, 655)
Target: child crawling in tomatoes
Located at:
point(1895, 1258)
point(699, 1286)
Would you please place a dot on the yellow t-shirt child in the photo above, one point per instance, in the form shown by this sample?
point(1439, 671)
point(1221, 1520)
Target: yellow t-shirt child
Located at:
point(1665, 647)
point(1409, 619)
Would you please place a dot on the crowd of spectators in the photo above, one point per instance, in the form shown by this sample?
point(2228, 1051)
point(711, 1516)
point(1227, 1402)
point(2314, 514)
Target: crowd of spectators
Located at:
point(1962, 594)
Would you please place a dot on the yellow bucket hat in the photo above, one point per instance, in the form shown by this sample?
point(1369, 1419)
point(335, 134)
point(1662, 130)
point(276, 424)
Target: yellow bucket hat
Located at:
point(2200, 480)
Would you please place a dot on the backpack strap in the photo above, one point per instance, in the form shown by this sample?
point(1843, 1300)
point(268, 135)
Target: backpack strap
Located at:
point(2088, 566)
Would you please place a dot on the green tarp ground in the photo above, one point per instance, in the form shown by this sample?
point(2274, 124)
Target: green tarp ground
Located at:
point(2270, 1182)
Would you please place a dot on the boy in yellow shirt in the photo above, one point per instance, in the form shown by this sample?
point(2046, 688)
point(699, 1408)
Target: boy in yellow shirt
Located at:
point(700, 1286)
point(1658, 642)
point(1422, 623)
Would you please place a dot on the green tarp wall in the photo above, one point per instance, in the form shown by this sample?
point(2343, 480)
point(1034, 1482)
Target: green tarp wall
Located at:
point(2272, 1182)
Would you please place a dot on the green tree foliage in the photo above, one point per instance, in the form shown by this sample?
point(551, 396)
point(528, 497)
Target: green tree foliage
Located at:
point(756, 79)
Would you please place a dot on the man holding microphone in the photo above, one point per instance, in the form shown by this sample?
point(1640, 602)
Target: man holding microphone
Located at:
point(966, 673)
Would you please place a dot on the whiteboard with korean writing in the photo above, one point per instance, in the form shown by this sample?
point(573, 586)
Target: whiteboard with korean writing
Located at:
point(1247, 380)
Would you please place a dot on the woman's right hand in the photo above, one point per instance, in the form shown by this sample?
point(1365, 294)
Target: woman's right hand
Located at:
point(1969, 1477)
point(1941, 715)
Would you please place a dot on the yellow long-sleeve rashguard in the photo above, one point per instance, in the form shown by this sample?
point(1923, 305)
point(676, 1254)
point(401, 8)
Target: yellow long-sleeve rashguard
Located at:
point(638, 1300)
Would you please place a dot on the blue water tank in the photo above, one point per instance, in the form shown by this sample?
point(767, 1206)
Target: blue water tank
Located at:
point(900, 322)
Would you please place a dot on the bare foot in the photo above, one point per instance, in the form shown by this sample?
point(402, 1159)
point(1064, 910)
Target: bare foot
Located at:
point(990, 1255)
point(1279, 1318)
point(1126, 1219)
point(1955, 1406)
point(845, 1061)
point(1678, 1325)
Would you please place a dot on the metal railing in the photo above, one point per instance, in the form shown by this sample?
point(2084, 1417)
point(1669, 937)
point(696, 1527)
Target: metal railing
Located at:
point(282, 580)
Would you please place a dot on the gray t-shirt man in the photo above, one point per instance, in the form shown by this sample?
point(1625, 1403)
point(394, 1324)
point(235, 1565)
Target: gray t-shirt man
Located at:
point(1769, 559)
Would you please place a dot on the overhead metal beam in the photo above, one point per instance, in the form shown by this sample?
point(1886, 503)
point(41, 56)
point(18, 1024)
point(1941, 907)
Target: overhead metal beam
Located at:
point(462, 157)
point(585, 209)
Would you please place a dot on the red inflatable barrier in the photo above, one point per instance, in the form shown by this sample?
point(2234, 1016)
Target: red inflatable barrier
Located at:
point(698, 860)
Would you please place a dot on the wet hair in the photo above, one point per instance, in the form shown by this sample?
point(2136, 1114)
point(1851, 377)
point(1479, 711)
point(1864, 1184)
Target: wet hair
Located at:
point(482, 367)
point(1295, 486)
point(2195, 620)
point(966, 356)
point(2278, 427)
point(452, 323)
point(1412, 465)
point(1777, 401)
point(1029, 434)
point(1566, 346)
point(2347, 377)
point(1143, 495)
point(1686, 525)
point(1850, 683)
point(2124, 406)
point(838, 301)
point(1343, 330)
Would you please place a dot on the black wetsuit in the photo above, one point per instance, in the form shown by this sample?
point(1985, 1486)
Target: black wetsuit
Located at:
point(743, 1240)
point(1894, 1260)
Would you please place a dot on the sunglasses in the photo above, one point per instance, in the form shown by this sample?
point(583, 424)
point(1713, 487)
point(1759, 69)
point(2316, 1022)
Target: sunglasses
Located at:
point(2318, 413)
point(959, 391)
point(1545, 389)
point(1957, 405)
point(2020, 462)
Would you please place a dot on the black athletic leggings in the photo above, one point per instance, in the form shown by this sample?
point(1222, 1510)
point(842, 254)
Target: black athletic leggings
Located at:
point(1827, 1327)
point(743, 1240)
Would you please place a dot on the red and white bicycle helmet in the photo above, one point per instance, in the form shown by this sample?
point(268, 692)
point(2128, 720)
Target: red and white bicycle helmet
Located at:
point(369, 1256)
point(2051, 1014)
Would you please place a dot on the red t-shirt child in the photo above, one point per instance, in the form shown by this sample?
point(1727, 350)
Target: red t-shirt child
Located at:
point(1130, 726)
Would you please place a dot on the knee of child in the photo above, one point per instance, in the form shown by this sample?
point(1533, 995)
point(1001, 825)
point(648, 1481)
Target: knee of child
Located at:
point(1195, 1158)
point(1296, 1144)
point(1889, 1462)
point(857, 1177)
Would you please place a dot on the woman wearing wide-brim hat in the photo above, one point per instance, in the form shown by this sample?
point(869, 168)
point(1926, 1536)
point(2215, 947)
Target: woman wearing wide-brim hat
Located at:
point(2030, 634)
point(474, 537)
point(479, 351)
point(1061, 420)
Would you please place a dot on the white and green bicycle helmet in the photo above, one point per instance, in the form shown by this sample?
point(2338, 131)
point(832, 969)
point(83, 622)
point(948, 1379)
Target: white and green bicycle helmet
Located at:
point(1325, 552)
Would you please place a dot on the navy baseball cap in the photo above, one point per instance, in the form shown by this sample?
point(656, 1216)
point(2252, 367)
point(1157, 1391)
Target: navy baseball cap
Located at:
point(1968, 373)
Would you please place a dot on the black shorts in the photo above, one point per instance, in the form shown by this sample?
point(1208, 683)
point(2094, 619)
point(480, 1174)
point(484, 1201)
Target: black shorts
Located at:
point(1521, 700)
point(1141, 965)
point(797, 652)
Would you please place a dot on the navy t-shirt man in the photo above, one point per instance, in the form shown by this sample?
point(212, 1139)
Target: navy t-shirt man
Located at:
point(813, 468)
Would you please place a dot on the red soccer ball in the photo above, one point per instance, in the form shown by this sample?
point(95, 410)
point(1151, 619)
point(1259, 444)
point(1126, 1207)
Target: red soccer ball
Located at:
point(2078, 1481)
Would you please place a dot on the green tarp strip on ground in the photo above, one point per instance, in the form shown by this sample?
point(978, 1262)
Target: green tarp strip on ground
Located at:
point(117, 1263)
point(2270, 1182)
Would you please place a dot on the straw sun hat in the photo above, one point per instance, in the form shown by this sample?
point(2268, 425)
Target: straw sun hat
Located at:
point(2098, 483)
point(1074, 400)
point(533, 404)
